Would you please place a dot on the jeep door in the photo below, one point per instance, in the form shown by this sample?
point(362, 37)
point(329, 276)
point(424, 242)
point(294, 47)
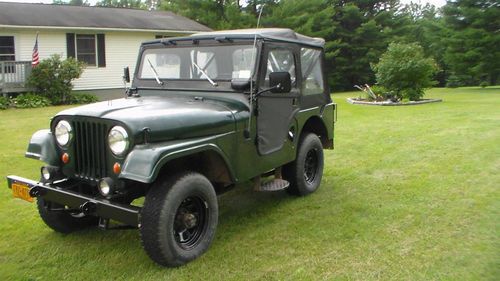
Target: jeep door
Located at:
point(276, 111)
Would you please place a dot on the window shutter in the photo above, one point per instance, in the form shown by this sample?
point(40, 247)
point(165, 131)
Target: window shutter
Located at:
point(70, 45)
point(101, 51)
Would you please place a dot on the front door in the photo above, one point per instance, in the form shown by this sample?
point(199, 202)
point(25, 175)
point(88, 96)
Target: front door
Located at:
point(276, 112)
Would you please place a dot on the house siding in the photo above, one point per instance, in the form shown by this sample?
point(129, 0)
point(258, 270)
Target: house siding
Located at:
point(121, 49)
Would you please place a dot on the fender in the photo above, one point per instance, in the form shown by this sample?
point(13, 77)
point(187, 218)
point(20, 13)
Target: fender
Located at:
point(329, 116)
point(145, 161)
point(42, 147)
point(317, 119)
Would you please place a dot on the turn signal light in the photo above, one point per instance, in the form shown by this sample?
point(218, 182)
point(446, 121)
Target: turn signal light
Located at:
point(117, 168)
point(65, 158)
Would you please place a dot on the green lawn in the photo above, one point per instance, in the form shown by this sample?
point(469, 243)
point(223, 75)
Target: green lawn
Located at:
point(409, 193)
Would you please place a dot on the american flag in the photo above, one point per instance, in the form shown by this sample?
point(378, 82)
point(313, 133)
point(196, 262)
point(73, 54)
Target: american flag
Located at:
point(35, 59)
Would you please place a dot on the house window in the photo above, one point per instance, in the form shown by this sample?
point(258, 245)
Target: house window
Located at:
point(87, 48)
point(7, 52)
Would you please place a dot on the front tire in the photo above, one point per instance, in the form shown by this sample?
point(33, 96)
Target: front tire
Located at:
point(179, 219)
point(305, 173)
point(63, 221)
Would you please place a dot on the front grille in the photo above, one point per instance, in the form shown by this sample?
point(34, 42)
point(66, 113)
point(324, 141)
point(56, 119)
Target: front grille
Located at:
point(90, 150)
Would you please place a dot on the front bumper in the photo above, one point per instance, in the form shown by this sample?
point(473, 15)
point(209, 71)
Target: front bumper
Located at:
point(103, 208)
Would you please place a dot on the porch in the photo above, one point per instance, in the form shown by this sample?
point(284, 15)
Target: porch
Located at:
point(13, 76)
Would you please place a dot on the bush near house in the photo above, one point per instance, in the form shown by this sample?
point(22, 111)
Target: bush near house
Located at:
point(404, 71)
point(33, 100)
point(51, 82)
point(52, 78)
point(30, 100)
point(4, 102)
point(82, 98)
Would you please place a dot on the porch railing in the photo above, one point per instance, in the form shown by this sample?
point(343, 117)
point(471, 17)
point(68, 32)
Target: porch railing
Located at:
point(13, 76)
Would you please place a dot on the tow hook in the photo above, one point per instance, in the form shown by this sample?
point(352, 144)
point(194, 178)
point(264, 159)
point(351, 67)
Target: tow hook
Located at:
point(88, 208)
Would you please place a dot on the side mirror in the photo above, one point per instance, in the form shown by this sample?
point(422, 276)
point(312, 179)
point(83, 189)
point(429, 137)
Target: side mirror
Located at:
point(126, 74)
point(240, 84)
point(280, 82)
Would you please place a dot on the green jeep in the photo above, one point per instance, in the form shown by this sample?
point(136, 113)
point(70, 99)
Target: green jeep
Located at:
point(204, 113)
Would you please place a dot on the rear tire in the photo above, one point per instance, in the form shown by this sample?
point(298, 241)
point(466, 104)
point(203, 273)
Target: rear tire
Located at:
point(305, 173)
point(63, 221)
point(179, 219)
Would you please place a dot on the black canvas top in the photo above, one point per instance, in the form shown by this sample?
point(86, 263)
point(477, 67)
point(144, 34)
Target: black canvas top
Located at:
point(46, 15)
point(272, 34)
point(278, 34)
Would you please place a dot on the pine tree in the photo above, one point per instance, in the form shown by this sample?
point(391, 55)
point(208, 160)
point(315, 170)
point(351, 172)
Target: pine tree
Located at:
point(472, 51)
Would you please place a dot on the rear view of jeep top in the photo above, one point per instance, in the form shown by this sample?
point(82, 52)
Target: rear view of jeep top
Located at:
point(204, 113)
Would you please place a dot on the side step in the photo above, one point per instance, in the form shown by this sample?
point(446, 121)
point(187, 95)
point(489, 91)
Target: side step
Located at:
point(273, 185)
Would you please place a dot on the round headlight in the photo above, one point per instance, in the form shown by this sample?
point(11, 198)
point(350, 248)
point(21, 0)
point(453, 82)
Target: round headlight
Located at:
point(45, 173)
point(63, 132)
point(118, 140)
point(105, 186)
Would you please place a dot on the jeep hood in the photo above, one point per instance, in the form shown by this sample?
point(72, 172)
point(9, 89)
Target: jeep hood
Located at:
point(164, 117)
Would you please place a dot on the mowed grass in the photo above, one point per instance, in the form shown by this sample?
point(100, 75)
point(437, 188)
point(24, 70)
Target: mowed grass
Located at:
point(409, 193)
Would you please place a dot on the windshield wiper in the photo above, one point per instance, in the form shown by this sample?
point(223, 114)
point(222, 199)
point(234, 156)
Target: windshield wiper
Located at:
point(157, 77)
point(206, 75)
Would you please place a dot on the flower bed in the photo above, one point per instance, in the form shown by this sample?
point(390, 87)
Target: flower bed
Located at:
point(389, 102)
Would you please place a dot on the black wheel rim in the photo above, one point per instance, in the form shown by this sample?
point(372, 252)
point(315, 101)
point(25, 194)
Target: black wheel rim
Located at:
point(311, 166)
point(190, 222)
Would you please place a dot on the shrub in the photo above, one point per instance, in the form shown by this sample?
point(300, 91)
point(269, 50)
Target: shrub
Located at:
point(404, 71)
point(52, 78)
point(380, 91)
point(4, 102)
point(30, 100)
point(484, 84)
point(82, 98)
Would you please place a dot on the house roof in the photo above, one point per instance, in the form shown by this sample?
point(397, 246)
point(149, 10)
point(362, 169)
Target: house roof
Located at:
point(270, 34)
point(67, 16)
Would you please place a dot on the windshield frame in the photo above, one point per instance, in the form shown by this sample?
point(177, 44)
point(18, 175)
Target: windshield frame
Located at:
point(192, 83)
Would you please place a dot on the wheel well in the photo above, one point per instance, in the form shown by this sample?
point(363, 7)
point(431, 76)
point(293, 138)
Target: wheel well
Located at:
point(315, 125)
point(208, 163)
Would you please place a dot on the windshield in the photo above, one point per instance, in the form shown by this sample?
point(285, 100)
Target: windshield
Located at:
point(198, 63)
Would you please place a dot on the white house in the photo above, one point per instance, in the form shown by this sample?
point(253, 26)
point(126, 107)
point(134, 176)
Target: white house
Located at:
point(106, 39)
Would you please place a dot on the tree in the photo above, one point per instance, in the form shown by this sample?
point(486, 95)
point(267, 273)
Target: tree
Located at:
point(424, 24)
point(217, 14)
point(361, 32)
point(463, 42)
point(353, 30)
point(405, 71)
point(472, 51)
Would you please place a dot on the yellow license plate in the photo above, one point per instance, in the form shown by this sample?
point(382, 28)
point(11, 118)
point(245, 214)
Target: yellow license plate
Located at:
point(22, 191)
